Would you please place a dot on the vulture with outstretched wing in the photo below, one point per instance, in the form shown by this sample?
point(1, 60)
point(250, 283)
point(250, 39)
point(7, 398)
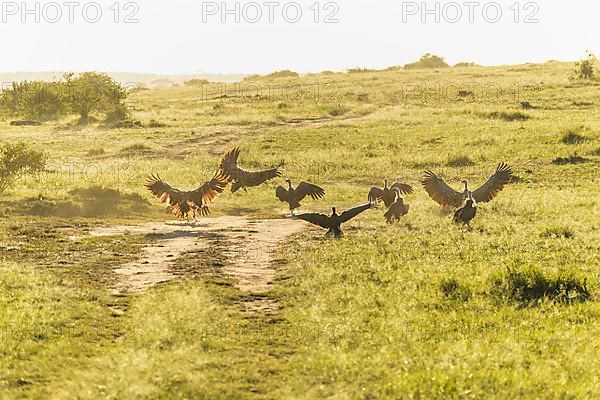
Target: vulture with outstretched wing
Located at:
point(387, 194)
point(333, 223)
point(186, 203)
point(397, 209)
point(443, 194)
point(294, 196)
point(243, 179)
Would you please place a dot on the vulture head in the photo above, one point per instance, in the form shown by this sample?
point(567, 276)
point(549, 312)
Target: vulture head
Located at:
point(333, 211)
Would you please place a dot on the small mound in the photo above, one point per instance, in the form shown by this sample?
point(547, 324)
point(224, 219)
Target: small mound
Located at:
point(572, 159)
point(531, 285)
point(507, 116)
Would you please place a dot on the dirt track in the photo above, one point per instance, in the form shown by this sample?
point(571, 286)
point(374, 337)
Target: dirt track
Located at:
point(248, 246)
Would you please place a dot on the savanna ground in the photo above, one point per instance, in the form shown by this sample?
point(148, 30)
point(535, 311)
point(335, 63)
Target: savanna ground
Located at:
point(420, 309)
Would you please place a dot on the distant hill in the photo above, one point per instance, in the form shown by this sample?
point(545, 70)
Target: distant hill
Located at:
point(122, 77)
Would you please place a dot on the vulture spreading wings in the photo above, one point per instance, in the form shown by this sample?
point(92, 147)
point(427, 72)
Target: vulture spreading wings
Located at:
point(443, 194)
point(243, 179)
point(333, 223)
point(185, 203)
point(294, 196)
point(397, 209)
point(387, 194)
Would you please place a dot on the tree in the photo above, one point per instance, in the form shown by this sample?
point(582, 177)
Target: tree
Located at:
point(34, 100)
point(16, 161)
point(96, 93)
point(428, 61)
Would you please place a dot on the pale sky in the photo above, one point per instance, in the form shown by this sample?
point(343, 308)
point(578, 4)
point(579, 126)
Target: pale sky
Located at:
point(171, 37)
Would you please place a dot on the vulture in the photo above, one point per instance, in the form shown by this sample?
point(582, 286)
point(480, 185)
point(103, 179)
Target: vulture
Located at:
point(397, 209)
point(465, 214)
point(387, 194)
point(294, 196)
point(243, 179)
point(182, 203)
point(333, 223)
point(443, 194)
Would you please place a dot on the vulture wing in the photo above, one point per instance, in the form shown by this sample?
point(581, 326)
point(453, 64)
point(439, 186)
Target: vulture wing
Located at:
point(404, 188)
point(163, 191)
point(209, 191)
point(494, 185)
point(281, 193)
point(308, 189)
point(251, 179)
point(440, 192)
point(321, 220)
point(353, 212)
point(375, 194)
point(229, 163)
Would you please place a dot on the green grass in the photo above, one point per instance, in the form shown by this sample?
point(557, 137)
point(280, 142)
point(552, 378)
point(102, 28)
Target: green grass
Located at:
point(420, 309)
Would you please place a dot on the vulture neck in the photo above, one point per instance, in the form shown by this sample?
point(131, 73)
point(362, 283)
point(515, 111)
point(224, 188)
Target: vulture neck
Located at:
point(289, 185)
point(385, 184)
point(334, 212)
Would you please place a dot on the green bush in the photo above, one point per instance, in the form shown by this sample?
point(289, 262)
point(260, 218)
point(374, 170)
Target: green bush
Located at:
point(585, 69)
point(16, 161)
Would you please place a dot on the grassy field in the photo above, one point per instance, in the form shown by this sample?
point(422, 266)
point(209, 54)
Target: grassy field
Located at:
point(418, 310)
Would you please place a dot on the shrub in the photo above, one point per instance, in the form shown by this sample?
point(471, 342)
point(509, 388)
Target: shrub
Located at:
point(452, 289)
point(156, 124)
point(465, 64)
point(530, 285)
point(358, 70)
point(136, 149)
point(16, 161)
point(286, 73)
point(585, 69)
point(573, 136)
point(428, 61)
point(460, 161)
point(196, 82)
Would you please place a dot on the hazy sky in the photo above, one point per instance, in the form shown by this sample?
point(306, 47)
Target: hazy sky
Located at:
point(187, 36)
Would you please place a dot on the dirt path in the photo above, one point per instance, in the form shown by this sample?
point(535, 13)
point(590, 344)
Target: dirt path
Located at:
point(248, 246)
